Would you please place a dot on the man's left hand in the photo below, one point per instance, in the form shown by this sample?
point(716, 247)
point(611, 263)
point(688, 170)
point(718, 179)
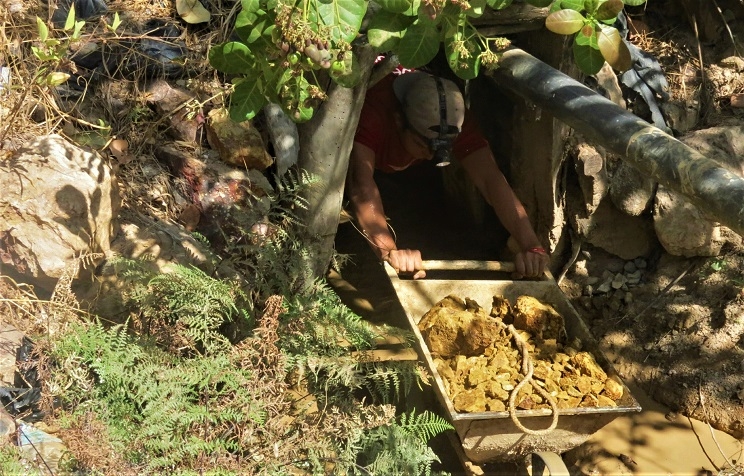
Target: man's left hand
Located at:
point(531, 263)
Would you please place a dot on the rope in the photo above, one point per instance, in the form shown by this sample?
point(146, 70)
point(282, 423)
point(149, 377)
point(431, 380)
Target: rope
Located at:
point(369, 240)
point(527, 369)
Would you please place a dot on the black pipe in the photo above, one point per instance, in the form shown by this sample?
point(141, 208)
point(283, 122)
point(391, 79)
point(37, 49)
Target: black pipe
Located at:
point(710, 187)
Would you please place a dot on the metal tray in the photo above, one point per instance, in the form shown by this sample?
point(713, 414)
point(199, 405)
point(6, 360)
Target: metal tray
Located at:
point(492, 436)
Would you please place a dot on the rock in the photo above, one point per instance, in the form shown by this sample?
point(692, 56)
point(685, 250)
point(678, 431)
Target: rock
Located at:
point(238, 143)
point(634, 277)
point(592, 175)
point(723, 144)
point(618, 281)
point(681, 227)
point(7, 425)
point(230, 200)
point(11, 340)
point(37, 445)
point(175, 104)
point(60, 204)
point(538, 318)
point(604, 287)
point(451, 327)
point(682, 116)
point(629, 267)
point(142, 237)
point(624, 236)
point(630, 190)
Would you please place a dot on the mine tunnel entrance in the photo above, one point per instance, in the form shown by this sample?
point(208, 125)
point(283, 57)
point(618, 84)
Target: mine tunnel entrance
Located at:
point(437, 210)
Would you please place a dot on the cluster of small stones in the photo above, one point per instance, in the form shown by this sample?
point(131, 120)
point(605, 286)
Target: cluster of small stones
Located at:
point(614, 288)
point(484, 382)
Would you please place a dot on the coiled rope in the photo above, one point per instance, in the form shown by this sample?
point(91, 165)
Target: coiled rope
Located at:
point(527, 369)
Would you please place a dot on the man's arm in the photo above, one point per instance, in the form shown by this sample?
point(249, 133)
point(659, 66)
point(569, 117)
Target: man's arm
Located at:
point(367, 208)
point(490, 181)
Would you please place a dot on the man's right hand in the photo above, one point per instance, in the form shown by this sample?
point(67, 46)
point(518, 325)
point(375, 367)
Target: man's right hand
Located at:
point(407, 262)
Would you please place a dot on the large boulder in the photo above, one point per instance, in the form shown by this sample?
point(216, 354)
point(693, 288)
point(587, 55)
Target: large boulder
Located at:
point(681, 227)
point(58, 203)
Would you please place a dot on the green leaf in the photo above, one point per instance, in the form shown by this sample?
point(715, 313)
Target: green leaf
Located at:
point(78, 28)
point(634, 3)
point(586, 37)
point(250, 6)
point(465, 68)
point(116, 23)
point(613, 48)
point(590, 6)
point(70, 22)
point(555, 6)
point(247, 99)
point(501, 4)
point(540, 3)
point(565, 22)
point(397, 6)
point(351, 74)
point(476, 8)
point(386, 29)
point(588, 59)
point(56, 78)
point(192, 11)
point(344, 17)
point(42, 55)
point(577, 5)
point(256, 32)
point(419, 45)
point(609, 10)
point(43, 30)
point(232, 58)
point(244, 24)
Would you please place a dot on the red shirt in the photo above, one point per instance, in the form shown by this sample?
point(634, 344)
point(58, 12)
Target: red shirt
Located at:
point(377, 130)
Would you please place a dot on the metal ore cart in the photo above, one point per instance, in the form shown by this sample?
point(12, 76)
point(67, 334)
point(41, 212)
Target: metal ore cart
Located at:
point(488, 437)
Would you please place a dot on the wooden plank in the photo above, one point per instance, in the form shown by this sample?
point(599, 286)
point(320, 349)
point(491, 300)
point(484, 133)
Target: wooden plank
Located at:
point(387, 355)
point(468, 265)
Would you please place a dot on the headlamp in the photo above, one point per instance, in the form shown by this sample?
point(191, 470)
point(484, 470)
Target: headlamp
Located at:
point(446, 134)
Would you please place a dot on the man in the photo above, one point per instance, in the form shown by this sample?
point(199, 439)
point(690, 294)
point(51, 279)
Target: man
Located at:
point(414, 117)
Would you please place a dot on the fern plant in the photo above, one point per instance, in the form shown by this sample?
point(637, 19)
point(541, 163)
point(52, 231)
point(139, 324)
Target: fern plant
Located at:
point(164, 411)
point(185, 300)
point(178, 397)
point(401, 448)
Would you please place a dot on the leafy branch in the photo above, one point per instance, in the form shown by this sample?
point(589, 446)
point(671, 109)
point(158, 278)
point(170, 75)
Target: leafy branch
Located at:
point(283, 43)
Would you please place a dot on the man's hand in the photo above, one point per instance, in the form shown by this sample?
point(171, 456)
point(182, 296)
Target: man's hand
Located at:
point(531, 263)
point(406, 262)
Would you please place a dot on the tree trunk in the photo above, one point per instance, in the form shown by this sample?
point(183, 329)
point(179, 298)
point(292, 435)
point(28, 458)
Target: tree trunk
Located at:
point(325, 145)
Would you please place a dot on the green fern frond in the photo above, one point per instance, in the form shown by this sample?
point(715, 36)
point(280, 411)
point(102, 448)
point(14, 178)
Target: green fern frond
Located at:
point(423, 426)
point(398, 449)
point(390, 381)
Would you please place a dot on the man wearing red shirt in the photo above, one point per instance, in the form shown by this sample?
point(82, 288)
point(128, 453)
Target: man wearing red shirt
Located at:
point(414, 117)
